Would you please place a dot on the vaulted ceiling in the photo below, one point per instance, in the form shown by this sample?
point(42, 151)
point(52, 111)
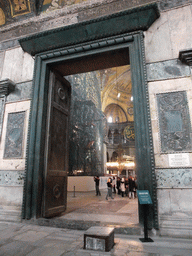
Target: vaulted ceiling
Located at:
point(116, 94)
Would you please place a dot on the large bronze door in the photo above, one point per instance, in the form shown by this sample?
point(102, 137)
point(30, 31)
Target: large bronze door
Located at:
point(56, 146)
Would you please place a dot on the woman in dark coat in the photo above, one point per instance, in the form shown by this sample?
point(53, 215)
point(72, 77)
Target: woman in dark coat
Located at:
point(118, 185)
point(131, 187)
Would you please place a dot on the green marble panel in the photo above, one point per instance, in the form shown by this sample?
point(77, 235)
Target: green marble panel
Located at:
point(174, 178)
point(174, 122)
point(14, 135)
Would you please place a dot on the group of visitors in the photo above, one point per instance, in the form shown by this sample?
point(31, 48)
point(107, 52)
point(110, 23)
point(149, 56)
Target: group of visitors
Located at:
point(121, 186)
point(126, 186)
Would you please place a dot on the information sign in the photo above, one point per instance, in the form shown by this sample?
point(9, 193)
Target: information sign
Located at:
point(144, 197)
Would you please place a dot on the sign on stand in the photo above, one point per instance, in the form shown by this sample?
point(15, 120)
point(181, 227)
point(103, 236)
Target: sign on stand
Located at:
point(145, 199)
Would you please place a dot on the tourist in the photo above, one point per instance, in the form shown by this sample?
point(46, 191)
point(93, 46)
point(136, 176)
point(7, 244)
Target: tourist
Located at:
point(114, 185)
point(131, 187)
point(118, 185)
point(97, 180)
point(109, 189)
point(122, 187)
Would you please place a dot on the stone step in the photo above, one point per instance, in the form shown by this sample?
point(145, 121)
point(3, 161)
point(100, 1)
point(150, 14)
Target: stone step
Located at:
point(14, 216)
point(84, 225)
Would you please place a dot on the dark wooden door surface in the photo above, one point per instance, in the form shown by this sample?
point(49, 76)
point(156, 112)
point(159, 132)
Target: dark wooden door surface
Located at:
point(56, 146)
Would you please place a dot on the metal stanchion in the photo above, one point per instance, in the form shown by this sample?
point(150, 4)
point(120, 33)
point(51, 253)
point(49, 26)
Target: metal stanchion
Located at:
point(74, 191)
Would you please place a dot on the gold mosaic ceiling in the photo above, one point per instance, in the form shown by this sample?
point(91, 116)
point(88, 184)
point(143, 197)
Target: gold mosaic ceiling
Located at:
point(116, 94)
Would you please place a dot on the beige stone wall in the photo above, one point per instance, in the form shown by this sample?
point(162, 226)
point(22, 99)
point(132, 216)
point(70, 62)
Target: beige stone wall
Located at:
point(171, 33)
point(18, 67)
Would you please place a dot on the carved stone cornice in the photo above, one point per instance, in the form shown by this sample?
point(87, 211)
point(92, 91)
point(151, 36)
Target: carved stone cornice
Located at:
point(185, 56)
point(135, 19)
point(6, 86)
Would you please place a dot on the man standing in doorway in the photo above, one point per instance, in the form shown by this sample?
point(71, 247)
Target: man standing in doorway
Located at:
point(97, 180)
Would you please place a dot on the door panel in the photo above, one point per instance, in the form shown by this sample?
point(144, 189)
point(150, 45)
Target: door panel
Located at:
point(56, 147)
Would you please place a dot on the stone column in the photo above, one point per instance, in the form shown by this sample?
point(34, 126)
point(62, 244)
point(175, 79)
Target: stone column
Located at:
point(112, 137)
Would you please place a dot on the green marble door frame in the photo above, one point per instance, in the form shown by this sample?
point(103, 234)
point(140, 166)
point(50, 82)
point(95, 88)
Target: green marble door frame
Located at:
point(74, 49)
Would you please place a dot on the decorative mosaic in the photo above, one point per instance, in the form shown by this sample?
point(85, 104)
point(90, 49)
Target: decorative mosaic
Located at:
point(12, 178)
point(2, 17)
point(19, 7)
point(174, 122)
point(56, 4)
point(174, 178)
point(14, 135)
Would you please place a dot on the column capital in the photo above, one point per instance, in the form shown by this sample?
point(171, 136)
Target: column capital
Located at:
point(6, 86)
point(185, 56)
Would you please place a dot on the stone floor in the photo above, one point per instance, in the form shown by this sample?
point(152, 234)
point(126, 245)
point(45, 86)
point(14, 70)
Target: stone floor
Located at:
point(87, 206)
point(21, 239)
point(85, 209)
point(64, 235)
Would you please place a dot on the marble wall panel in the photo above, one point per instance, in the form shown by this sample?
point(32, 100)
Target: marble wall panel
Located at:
point(180, 21)
point(28, 67)
point(2, 106)
point(9, 44)
point(11, 195)
point(12, 67)
point(174, 178)
point(164, 201)
point(14, 163)
point(18, 66)
point(175, 202)
point(167, 70)
point(161, 160)
point(12, 178)
point(169, 34)
point(157, 87)
point(2, 54)
point(174, 121)
point(23, 91)
point(14, 135)
point(167, 4)
point(156, 145)
point(172, 85)
point(157, 40)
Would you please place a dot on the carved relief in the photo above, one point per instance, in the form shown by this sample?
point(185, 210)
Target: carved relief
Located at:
point(174, 122)
point(57, 191)
point(14, 135)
